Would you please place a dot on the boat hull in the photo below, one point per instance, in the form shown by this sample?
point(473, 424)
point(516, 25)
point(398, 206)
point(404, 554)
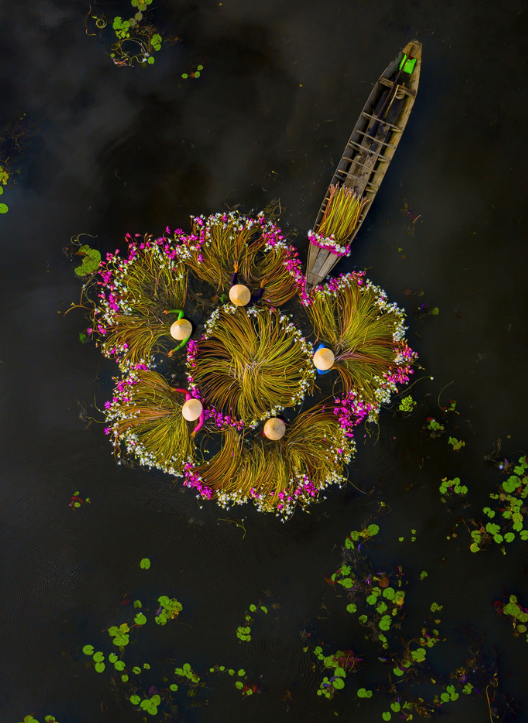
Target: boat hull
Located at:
point(370, 149)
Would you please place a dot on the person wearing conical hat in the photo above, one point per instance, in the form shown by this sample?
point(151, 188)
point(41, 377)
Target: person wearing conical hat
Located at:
point(181, 329)
point(274, 429)
point(192, 409)
point(240, 295)
point(323, 359)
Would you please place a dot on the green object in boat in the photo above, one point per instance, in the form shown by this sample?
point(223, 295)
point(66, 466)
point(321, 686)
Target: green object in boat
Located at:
point(407, 64)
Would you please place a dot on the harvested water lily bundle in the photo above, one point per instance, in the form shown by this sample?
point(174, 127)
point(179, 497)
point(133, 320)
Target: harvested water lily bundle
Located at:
point(366, 334)
point(254, 248)
point(250, 363)
point(278, 475)
point(219, 244)
point(247, 362)
point(134, 294)
point(145, 415)
point(341, 216)
point(278, 265)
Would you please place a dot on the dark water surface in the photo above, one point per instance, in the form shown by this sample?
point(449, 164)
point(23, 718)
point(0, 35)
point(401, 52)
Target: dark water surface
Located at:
point(121, 150)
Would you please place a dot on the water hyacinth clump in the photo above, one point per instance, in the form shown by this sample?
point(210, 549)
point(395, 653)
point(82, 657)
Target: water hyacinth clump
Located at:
point(245, 365)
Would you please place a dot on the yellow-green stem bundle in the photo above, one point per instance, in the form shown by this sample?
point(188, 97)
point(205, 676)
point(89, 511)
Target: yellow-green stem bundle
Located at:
point(148, 418)
point(342, 213)
point(359, 332)
point(253, 364)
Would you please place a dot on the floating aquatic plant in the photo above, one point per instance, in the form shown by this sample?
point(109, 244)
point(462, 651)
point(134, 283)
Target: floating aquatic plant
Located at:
point(457, 444)
point(452, 487)
point(407, 404)
point(187, 672)
point(244, 631)
point(509, 513)
point(137, 37)
point(517, 614)
point(169, 609)
point(91, 261)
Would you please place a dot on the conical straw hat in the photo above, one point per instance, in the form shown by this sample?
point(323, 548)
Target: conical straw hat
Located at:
point(274, 428)
point(192, 409)
point(240, 295)
point(324, 359)
point(181, 329)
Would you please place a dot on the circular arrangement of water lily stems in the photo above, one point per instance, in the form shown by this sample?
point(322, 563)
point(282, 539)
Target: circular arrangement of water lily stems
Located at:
point(246, 364)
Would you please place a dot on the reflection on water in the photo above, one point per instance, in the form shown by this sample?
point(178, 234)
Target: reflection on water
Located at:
point(121, 150)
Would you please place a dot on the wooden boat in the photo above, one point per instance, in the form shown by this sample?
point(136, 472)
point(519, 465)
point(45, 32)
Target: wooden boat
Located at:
point(371, 147)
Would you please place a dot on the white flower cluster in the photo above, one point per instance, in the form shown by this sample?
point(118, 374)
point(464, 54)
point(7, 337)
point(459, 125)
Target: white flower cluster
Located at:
point(328, 243)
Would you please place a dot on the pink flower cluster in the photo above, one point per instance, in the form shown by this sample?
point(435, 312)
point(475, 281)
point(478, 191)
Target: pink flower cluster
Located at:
point(351, 411)
point(193, 480)
point(223, 421)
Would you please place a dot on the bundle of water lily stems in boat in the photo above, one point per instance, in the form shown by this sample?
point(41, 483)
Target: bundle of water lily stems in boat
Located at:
point(342, 213)
point(244, 364)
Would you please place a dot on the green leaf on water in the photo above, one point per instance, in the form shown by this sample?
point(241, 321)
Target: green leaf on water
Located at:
point(396, 707)
point(173, 687)
point(99, 667)
point(151, 60)
point(145, 563)
point(264, 608)
point(200, 67)
point(3, 208)
point(509, 537)
point(137, 604)
point(124, 678)
point(140, 619)
point(136, 670)
point(435, 311)
point(386, 715)
point(239, 684)
point(185, 75)
point(112, 657)
point(338, 683)
point(197, 74)
point(351, 608)
point(119, 665)
point(252, 608)
point(135, 699)
point(241, 672)
point(88, 649)
point(98, 657)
